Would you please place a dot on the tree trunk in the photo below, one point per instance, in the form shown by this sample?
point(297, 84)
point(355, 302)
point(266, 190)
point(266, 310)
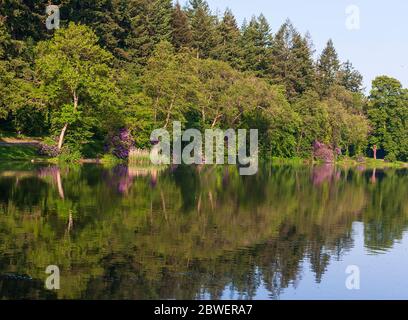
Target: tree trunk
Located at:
point(64, 129)
point(215, 120)
point(75, 101)
point(169, 114)
point(61, 137)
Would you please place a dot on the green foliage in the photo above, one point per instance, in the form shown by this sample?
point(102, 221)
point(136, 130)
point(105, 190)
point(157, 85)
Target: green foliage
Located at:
point(256, 41)
point(203, 28)
point(348, 130)
point(78, 82)
point(328, 68)
point(148, 23)
point(228, 48)
point(388, 115)
point(161, 19)
point(103, 16)
point(350, 78)
point(390, 157)
point(142, 64)
point(170, 83)
point(292, 62)
point(18, 95)
point(181, 33)
point(69, 156)
point(25, 19)
point(315, 121)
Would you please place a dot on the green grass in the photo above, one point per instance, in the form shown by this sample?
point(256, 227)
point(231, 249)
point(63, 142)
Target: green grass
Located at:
point(19, 153)
point(139, 157)
point(110, 160)
point(371, 163)
point(290, 161)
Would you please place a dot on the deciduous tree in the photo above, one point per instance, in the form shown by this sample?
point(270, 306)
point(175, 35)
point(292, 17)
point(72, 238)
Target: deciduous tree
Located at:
point(76, 76)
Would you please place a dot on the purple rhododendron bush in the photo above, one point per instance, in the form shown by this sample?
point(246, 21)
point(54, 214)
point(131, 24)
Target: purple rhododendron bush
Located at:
point(322, 152)
point(120, 143)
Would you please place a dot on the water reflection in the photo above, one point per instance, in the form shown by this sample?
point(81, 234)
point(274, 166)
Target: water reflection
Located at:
point(190, 232)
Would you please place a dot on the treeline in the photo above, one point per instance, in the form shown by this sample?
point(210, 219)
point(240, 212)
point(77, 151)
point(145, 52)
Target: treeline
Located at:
point(141, 64)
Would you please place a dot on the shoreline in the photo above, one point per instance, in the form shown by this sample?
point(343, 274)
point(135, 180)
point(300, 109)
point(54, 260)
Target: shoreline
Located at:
point(25, 151)
point(343, 163)
point(369, 163)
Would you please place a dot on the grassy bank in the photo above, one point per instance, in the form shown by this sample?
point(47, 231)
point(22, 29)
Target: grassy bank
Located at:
point(19, 152)
point(26, 150)
point(290, 161)
point(370, 163)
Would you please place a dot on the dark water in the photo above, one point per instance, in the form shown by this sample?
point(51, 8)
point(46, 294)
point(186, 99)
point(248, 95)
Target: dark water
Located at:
point(200, 233)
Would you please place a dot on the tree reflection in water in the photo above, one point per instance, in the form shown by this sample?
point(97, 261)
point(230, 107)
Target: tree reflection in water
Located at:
point(187, 232)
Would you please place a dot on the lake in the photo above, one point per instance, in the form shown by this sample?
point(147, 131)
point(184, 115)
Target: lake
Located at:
point(289, 232)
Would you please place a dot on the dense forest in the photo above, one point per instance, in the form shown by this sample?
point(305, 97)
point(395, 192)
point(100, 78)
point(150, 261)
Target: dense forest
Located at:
point(118, 69)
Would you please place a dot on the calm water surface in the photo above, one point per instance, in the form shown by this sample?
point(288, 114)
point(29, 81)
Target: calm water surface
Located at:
point(203, 232)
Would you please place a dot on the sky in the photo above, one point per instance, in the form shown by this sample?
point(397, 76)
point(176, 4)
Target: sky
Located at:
point(378, 47)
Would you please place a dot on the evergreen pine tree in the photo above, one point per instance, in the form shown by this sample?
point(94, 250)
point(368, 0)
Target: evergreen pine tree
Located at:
point(105, 17)
point(149, 24)
point(350, 78)
point(203, 28)
point(228, 48)
point(280, 53)
point(161, 12)
point(256, 45)
point(181, 32)
point(328, 68)
point(194, 5)
point(302, 71)
point(292, 63)
point(25, 19)
point(138, 42)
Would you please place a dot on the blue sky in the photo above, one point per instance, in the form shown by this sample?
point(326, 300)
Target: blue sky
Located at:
point(379, 47)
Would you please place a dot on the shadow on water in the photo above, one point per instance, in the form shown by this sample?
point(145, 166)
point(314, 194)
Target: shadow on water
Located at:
point(187, 232)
